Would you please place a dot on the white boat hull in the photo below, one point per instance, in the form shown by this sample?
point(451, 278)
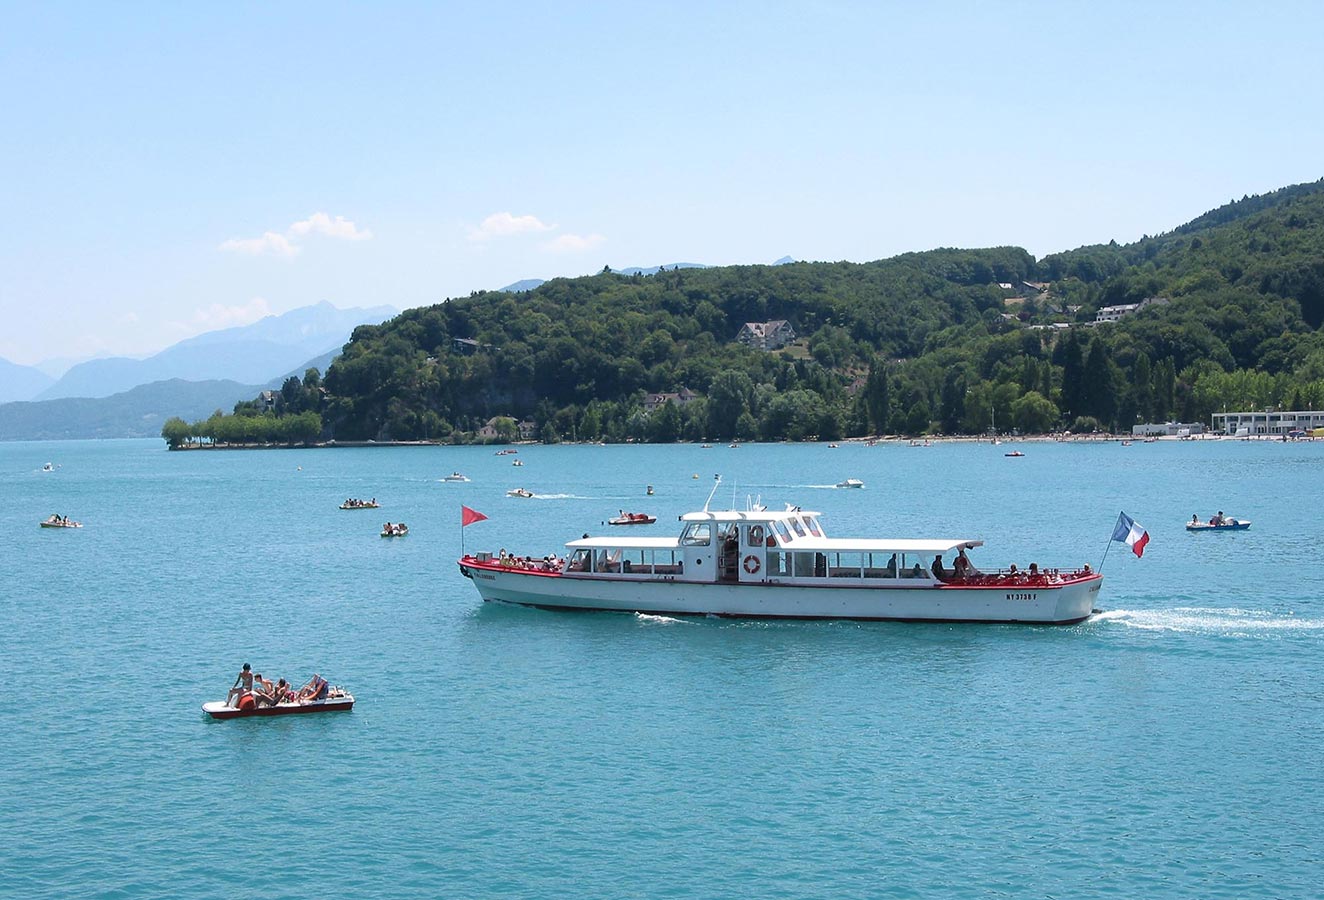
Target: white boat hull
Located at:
point(1058, 604)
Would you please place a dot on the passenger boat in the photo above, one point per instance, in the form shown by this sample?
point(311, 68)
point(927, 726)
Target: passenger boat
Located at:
point(1228, 524)
point(626, 518)
point(762, 564)
point(519, 492)
point(336, 701)
point(850, 483)
point(60, 522)
point(455, 476)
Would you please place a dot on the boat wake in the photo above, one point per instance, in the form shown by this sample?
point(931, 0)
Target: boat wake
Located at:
point(661, 620)
point(1203, 620)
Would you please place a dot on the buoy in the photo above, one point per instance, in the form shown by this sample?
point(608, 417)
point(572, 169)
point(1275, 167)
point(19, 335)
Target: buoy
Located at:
point(695, 475)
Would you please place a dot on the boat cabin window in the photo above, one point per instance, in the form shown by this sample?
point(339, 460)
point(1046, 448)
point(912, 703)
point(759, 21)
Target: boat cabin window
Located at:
point(799, 529)
point(754, 536)
point(812, 524)
point(697, 534)
point(580, 562)
point(782, 530)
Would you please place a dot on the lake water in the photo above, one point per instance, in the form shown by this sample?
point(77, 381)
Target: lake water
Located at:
point(1169, 746)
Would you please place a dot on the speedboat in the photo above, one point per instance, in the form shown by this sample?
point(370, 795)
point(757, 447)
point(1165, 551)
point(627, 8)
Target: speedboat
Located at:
point(455, 476)
point(519, 492)
point(850, 483)
point(48, 468)
point(1014, 453)
point(337, 700)
point(60, 522)
point(1228, 524)
point(626, 518)
point(759, 563)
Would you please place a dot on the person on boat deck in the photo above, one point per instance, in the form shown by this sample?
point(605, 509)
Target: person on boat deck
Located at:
point(891, 567)
point(1013, 572)
point(1218, 519)
point(1195, 519)
point(315, 689)
point(961, 566)
point(242, 685)
point(1034, 570)
point(939, 570)
point(264, 690)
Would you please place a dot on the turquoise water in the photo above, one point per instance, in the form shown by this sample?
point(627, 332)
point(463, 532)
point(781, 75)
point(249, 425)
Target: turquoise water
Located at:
point(1169, 746)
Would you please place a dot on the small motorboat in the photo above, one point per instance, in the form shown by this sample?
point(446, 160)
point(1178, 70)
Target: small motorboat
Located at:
point(518, 462)
point(455, 476)
point(850, 483)
point(395, 530)
point(48, 468)
point(360, 504)
point(337, 700)
point(1014, 453)
point(1228, 524)
point(626, 518)
point(56, 521)
point(832, 446)
point(519, 492)
point(506, 452)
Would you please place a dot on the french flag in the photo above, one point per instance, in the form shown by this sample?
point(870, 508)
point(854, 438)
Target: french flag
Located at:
point(1131, 533)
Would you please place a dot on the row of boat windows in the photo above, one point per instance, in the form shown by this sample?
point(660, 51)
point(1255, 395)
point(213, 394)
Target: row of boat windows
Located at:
point(779, 564)
point(846, 565)
point(635, 562)
point(700, 534)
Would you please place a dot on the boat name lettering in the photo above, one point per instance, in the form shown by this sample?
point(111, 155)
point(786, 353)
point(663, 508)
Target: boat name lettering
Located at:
point(1030, 597)
point(484, 575)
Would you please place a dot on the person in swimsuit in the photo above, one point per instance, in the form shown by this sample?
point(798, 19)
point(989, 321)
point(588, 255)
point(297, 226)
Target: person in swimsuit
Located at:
point(242, 685)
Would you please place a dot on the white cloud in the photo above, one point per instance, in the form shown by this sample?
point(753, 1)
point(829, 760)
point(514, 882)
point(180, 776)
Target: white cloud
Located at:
point(321, 223)
point(270, 243)
point(503, 224)
point(574, 243)
point(274, 243)
point(217, 316)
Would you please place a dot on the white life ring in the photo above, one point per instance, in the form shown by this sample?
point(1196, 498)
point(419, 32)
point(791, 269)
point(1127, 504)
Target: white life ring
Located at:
point(752, 564)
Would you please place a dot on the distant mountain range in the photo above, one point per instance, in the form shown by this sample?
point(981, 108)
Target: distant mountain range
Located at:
point(21, 382)
point(529, 284)
point(139, 412)
point(249, 354)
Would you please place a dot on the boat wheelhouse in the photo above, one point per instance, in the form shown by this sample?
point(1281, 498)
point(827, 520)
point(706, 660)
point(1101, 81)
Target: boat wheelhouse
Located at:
point(781, 564)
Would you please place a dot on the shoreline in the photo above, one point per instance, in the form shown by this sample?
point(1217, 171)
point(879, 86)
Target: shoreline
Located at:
point(867, 441)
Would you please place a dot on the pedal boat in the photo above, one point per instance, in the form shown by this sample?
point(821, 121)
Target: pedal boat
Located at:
point(218, 709)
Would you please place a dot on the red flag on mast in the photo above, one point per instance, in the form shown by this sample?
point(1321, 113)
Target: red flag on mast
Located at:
point(469, 516)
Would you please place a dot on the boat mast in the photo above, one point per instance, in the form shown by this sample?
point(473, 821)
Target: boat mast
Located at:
point(717, 480)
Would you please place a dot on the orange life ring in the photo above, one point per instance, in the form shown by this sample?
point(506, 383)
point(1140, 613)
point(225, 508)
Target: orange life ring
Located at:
point(752, 564)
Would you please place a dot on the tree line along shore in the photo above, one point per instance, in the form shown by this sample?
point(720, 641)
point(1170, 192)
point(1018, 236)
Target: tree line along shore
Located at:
point(1222, 313)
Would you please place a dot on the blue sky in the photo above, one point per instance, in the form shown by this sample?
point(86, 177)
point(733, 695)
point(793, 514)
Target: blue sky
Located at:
point(168, 169)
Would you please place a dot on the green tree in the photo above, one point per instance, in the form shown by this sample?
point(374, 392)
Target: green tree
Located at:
point(1033, 413)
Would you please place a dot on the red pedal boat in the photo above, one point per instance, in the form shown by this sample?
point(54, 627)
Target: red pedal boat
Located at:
point(626, 518)
point(336, 701)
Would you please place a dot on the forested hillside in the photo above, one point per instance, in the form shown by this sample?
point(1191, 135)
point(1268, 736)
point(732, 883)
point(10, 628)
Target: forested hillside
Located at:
point(946, 341)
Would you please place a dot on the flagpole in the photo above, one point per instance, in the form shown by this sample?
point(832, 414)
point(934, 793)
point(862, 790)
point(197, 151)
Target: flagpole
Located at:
point(1108, 545)
point(462, 534)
